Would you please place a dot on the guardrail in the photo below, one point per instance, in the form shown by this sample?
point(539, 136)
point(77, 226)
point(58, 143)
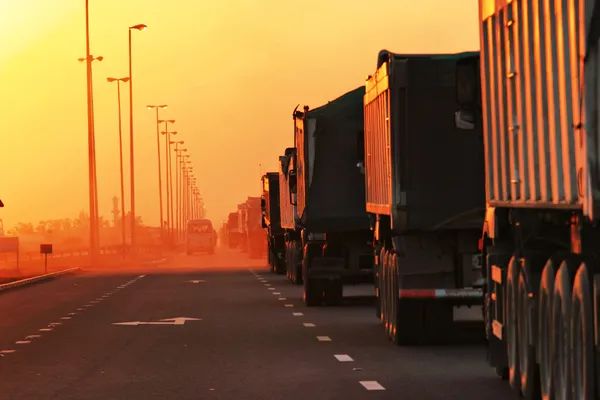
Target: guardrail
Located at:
point(25, 256)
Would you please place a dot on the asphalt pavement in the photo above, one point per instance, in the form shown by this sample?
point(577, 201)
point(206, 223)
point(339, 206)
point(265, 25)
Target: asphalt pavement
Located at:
point(215, 327)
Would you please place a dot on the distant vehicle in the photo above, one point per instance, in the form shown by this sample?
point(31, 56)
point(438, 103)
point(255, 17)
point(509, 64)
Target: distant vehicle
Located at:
point(200, 236)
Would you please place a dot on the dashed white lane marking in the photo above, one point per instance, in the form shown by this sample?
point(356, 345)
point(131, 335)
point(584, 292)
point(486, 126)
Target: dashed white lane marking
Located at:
point(276, 293)
point(271, 288)
point(267, 284)
point(343, 357)
point(323, 338)
point(309, 324)
point(297, 314)
point(288, 305)
point(371, 385)
point(52, 325)
point(282, 298)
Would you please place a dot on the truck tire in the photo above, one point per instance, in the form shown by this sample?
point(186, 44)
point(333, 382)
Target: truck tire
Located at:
point(527, 315)
point(544, 344)
point(417, 321)
point(561, 327)
point(297, 273)
point(334, 292)
point(314, 288)
point(582, 336)
point(512, 312)
point(377, 281)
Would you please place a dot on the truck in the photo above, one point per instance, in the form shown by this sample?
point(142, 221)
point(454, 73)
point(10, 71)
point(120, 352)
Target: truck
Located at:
point(241, 223)
point(424, 191)
point(233, 232)
point(255, 238)
point(329, 199)
point(533, 89)
point(287, 214)
point(271, 222)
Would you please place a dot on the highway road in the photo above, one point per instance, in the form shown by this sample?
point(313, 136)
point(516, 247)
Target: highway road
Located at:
point(215, 327)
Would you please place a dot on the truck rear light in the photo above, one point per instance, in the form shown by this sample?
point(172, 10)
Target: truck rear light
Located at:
point(480, 244)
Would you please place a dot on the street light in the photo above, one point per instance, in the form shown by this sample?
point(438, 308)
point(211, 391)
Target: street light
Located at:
point(182, 205)
point(93, 184)
point(139, 27)
point(123, 234)
point(167, 122)
point(177, 211)
point(169, 183)
point(160, 202)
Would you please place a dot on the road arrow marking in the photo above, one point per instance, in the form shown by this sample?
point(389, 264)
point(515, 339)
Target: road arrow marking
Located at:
point(167, 321)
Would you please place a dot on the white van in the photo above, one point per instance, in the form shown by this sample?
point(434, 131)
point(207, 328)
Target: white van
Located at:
point(200, 236)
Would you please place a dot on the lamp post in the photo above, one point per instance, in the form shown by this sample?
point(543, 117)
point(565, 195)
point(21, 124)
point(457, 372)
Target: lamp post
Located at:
point(139, 27)
point(93, 189)
point(182, 171)
point(169, 181)
point(123, 234)
point(167, 122)
point(160, 202)
point(178, 152)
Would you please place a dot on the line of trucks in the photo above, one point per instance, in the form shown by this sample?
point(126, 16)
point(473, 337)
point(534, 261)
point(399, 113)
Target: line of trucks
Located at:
point(243, 229)
point(468, 179)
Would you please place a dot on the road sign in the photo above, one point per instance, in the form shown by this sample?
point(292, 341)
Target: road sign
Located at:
point(168, 321)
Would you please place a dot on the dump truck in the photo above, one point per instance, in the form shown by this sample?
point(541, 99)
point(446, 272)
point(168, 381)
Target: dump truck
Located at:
point(287, 212)
point(255, 237)
point(233, 231)
point(424, 190)
point(329, 196)
point(533, 88)
point(271, 222)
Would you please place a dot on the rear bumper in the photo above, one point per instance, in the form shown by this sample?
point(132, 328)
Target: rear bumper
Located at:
point(333, 268)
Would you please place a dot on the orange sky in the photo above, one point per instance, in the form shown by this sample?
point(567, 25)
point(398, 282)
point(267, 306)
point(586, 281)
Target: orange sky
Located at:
point(231, 72)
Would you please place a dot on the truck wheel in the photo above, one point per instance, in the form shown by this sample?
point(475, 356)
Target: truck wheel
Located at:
point(393, 300)
point(377, 283)
point(582, 337)
point(297, 266)
point(561, 328)
point(383, 287)
point(288, 261)
point(334, 293)
point(544, 327)
point(528, 369)
point(512, 344)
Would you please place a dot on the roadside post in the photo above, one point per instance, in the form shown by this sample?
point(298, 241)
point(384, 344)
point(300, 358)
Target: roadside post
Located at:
point(45, 249)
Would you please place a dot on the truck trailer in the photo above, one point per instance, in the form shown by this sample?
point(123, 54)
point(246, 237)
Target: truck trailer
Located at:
point(533, 89)
point(241, 223)
point(329, 195)
point(271, 222)
point(424, 189)
point(287, 213)
point(255, 238)
point(233, 233)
